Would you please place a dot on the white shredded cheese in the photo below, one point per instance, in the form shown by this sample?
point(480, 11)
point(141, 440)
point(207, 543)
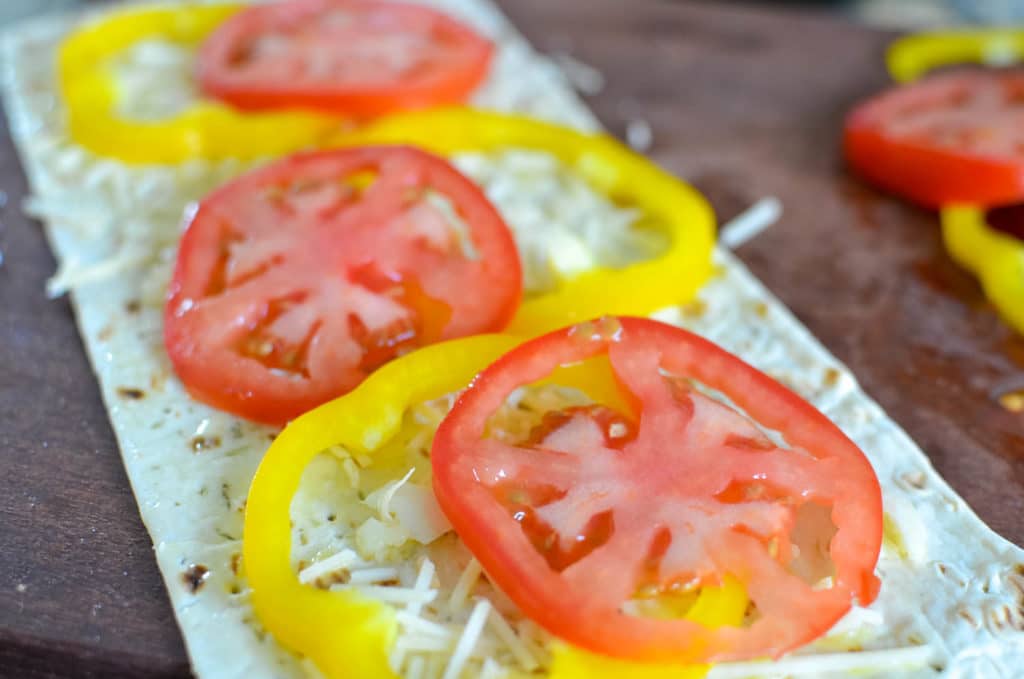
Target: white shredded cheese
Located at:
point(423, 644)
point(154, 80)
point(415, 507)
point(417, 667)
point(367, 576)
point(469, 638)
point(421, 626)
point(639, 135)
point(560, 224)
point(332, 564)
point(380, 499)
point(522, 653)
point(581, 75)
point(377, 539)
point(395, 595)
point(423, 582)
point(492, 670)
point(465, 585)
point(750, 223)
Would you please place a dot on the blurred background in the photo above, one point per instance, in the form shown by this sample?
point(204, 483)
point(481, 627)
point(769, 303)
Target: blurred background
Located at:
point(884, 13)
point(928, 13)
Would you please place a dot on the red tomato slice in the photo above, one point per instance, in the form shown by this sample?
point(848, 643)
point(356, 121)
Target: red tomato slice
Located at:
point(353, 57)
point(297, 280)
point(951, 138)
point(596, 509)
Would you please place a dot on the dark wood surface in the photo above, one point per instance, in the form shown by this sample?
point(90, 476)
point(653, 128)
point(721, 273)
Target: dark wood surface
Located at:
point(745, 102)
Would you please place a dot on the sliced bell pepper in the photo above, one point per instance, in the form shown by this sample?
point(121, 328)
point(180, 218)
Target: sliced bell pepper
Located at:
point(913, 56)
point(997, 259)
point(206, 129)
point(349, 635)
point(673, 277)
point(715, 607)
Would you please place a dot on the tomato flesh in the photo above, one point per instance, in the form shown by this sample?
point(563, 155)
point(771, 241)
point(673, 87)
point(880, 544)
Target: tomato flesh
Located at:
point(951, 138)
point(297, 280)
point(350, 57)
point(597, 509)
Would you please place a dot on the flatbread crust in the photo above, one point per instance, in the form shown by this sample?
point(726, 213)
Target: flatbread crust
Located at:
point(949, 583)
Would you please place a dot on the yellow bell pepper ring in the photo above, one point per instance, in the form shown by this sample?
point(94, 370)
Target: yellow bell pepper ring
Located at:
point(715, 607)
point(913, 56)
point(997, 259)
point(344, 633)
point(671, 278)
point(206, 129)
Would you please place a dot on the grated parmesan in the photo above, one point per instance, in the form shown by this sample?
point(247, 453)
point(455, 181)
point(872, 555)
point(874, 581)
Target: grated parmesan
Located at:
point(332, 564)
point(367, 576)
point(581, 75)
point(639, 135)
point(465, 584)
point(380, 500)
point(469, 639)
point(750, 223)
point(392, 594)
point(520, 651)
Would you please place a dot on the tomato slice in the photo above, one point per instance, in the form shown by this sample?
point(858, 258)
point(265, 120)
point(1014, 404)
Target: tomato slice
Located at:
point(352, 57)
point(597, 511)
point(951, 138)
point(295, 281)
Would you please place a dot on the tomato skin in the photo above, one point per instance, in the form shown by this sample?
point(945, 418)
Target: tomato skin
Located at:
point(203, 342)
point(927, 174)
point(447, 86)
point(577, 614)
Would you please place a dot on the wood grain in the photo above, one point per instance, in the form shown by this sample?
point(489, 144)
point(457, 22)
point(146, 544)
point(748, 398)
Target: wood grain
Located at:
point(746, 103)
point(80, 594)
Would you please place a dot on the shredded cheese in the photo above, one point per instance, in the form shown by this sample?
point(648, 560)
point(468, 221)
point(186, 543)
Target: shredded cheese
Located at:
point(750, 223)
point(380, 500)
point(394, 595)
point(469, 639)
point(417, 667)
point(421, 626)
point(465, 584)
point(639, 135)
point(492, 670)
point(332, 564)
point(368, 576)
point(581, 75)
point(424, 579)
point(520, 651)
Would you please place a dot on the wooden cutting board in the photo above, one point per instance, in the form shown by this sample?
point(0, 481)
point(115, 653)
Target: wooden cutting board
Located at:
point(746, 103)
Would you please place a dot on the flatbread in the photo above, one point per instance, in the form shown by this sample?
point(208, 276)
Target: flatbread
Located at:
point(952, 598)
